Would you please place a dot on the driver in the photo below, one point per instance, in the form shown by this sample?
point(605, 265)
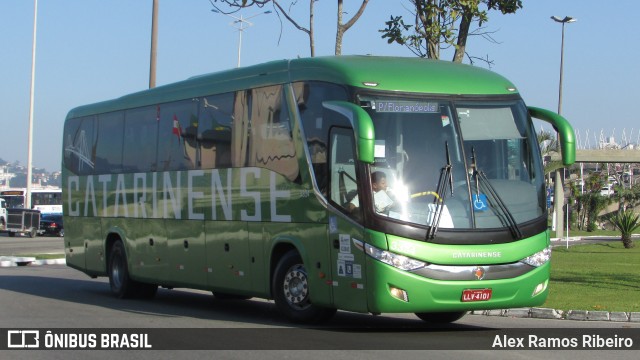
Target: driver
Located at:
point(382, 201)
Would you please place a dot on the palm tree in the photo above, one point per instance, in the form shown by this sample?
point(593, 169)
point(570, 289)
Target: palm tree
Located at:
point(591, 202)
point(627, 197)
point(626, 222)
point(548, 144)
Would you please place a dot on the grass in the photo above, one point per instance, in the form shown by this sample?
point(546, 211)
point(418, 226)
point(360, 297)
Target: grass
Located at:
point(598, 232)
point(603, 276)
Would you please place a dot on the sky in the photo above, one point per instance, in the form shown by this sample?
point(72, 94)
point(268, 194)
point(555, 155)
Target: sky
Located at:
point(95, 50)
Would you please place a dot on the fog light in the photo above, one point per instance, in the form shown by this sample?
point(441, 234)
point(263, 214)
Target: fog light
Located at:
point(399, 294)
point(540, 288)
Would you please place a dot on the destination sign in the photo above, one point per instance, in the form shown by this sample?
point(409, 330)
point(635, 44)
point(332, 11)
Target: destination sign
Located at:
point(12, 193)
point(411, 107)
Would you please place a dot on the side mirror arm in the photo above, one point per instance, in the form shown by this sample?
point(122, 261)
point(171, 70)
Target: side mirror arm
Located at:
point(564, 130)
point(362, 127)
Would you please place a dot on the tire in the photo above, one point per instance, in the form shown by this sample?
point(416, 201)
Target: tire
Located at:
point(12, 234)
point(290, 289)
point(122, 286)
point(441, 317)
point(32, 233)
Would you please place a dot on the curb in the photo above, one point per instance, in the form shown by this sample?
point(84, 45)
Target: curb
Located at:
point(577, 315)
point(564, 239)
point(591, 237)
point(10, 261)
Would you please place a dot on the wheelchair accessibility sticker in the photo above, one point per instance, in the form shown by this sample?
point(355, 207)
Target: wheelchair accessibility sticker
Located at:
point(480, 202)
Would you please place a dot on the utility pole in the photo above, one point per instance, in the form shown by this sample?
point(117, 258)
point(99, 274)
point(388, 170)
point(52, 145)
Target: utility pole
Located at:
point(154, 45)
point(27, 203)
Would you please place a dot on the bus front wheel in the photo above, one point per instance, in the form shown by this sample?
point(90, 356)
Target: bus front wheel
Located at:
point(290, 289)
point(121, 284)
point(441, 317)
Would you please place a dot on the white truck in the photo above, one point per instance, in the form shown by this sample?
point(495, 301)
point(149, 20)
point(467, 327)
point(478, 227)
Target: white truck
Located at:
point(18, 221)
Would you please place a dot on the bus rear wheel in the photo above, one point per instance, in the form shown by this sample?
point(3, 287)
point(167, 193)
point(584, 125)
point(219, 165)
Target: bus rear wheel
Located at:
point(441, 317)
point(121, 284)
point(290, 289)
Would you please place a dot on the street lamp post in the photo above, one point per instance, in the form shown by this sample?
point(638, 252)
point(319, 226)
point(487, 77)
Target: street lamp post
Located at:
point(559, 191)
point(241, 24)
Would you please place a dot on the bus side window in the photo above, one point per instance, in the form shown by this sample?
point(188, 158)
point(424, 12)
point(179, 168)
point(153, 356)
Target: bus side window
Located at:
point(344, 181)
point(240, 128)
point(176, 135)
point(109, 143)
point(271, 143)
point(214, 130)
point(79, 145)
point(309, 96)
point(140, 139)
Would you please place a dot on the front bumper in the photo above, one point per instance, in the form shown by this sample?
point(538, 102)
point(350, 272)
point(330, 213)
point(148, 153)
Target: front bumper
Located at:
point(428, 295)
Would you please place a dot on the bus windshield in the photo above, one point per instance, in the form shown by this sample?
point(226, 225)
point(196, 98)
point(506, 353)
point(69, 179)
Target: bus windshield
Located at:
point(455, 165)
point(14, 201)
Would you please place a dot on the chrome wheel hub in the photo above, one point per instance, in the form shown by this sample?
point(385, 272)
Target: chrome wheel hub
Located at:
point(296, 287)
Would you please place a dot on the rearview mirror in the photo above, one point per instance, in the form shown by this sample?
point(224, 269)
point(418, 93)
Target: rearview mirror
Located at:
point(362, 127)
point(564, 129)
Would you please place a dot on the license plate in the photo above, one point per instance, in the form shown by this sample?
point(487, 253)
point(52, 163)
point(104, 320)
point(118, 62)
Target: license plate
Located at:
point(470, 295)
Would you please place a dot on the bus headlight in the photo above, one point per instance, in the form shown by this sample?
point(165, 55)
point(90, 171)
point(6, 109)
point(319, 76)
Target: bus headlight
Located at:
point(538, 259)
point(398, 261)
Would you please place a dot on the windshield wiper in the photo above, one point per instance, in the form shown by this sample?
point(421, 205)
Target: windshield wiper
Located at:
point(446, 178)
point(482, 180)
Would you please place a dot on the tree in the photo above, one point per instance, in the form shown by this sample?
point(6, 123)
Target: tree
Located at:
point(341, 27)
point(440, 24)
point(591, 202)
point(627, 198)
point(548, 143)
point(626, 222)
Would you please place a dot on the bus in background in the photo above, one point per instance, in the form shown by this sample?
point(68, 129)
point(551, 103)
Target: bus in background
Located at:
point(366, 184)
point(48, 200)
point(3, 214)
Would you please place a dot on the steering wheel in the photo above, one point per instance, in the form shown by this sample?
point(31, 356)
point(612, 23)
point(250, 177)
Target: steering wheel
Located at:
point(425, 193)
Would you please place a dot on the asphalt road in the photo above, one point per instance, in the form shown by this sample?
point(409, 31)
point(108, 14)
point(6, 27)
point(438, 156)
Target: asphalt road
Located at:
point(20, 245)
point(58, 297)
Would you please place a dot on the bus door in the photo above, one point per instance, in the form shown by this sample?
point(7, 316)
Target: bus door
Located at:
point(345, 232)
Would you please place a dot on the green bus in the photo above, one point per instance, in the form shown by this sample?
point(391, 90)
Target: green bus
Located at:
point(360, 183)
